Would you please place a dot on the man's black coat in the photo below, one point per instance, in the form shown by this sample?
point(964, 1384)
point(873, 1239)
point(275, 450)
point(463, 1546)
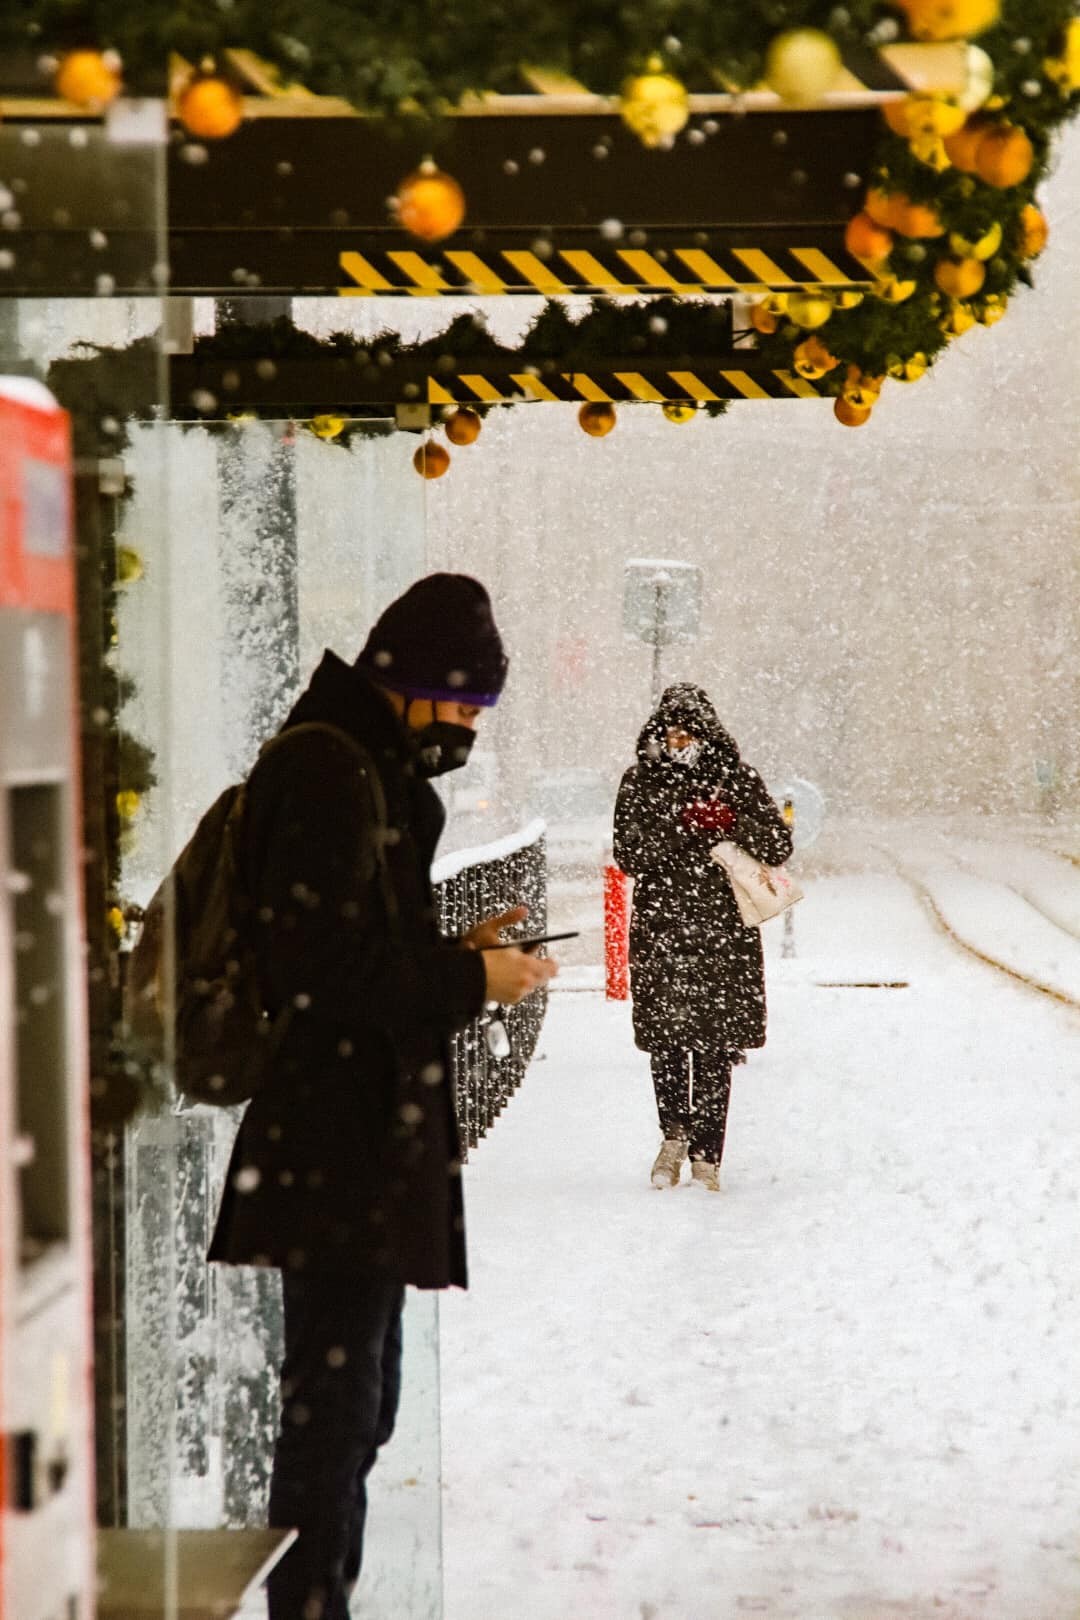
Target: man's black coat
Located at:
point(349, 1159)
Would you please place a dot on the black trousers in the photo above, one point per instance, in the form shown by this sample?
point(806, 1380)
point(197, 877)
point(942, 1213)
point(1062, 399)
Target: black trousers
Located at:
point(340, 1383)
point(692, 1094)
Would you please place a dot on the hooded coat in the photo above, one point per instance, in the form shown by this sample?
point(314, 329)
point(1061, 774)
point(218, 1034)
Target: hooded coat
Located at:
point(349, 1159)
point(696, 971)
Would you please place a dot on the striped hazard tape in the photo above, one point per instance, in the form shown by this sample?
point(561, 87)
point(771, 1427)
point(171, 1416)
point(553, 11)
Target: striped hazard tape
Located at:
point(612, 272)
point(702, 386)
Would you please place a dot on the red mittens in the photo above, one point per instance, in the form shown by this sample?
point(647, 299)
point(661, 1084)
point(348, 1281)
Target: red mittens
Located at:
point(708, 815)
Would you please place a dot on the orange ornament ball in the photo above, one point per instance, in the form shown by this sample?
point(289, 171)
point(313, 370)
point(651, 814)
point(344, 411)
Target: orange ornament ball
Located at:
point(960, 149)
point(431, 204)
point(867, 241)
point(960, 278)
point(463, 426)
point(597, 420)
point(88, 78)
point(1034, 231)
point(210, 107)
point(1004, 156)
point(763, 320)
point(431, 460)
point(949, 19)
point(883, 207)
point(917, 219)
point(851, 415)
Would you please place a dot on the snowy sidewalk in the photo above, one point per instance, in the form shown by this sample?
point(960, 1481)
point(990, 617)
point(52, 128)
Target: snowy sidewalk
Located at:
point(842, 1389)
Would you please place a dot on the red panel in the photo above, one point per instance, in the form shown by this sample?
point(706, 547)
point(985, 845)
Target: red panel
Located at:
point(35, 508)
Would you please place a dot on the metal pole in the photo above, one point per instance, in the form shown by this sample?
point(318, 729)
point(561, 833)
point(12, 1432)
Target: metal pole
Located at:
point(659, 627)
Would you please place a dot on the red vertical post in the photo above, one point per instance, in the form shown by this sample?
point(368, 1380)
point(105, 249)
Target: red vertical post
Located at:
point(616, 935)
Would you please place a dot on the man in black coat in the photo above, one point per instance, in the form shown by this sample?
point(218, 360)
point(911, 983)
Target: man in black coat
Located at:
point(346, 1170)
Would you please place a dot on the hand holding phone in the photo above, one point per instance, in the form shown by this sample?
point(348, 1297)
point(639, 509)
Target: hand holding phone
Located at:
point(529, 945)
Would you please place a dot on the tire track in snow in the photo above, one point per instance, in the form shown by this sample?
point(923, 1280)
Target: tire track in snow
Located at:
point(937, 914)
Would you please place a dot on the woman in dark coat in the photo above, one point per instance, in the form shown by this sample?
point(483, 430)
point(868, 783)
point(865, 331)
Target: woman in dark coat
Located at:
point(696, 971)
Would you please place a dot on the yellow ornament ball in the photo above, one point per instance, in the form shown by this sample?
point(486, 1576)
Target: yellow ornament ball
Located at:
point(462, 426)
point(127, 804)
point(1064, 70)
point(210, 107)
point(430, 204)
point(129, 565)
point(88, 78)
point(957, 320)
point(431, 460)
point(597, 420)
point(949, 19)
point(909, 370)
point(991, 309)
point(655, 105)
point(802, 65)
point(679, 412)
point(775, 304)
point(980, 247)
point(892, 290)
point(809, 310)
point(327, 427)
point(860, 391)
point(849, 298)
point(115, 919)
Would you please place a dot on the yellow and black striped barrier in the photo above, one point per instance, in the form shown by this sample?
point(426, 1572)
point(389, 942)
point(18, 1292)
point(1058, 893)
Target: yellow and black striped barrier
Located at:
point(613, 272)
point(701, 386)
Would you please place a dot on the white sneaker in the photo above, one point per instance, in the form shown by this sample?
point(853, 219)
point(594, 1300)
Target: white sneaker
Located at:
point(669, 1162)
point(704, 1174)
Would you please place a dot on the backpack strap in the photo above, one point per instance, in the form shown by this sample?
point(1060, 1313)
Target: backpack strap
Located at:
point(368, 770)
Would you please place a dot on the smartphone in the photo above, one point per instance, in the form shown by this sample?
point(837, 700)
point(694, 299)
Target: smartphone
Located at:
point(531, 944)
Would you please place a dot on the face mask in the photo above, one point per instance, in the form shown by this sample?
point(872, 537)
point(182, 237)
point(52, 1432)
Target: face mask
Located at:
point(688, 755)
point(441, 747)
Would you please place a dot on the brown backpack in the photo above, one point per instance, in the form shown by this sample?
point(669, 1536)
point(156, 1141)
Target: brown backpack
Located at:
point(192, 999)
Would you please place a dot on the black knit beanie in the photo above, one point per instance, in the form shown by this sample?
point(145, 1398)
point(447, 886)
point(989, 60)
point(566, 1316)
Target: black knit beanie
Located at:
point(439, 641)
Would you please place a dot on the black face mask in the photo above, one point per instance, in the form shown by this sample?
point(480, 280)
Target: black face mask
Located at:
point(442, 746)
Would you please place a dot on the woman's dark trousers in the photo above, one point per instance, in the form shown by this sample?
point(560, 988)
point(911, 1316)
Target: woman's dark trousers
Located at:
point(692, 1093)
point(340, 1383)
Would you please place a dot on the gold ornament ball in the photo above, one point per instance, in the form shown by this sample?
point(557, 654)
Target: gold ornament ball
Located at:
point(802, 65)
point(849, 299)
point(809, 310)
point(1034, 231)
point(679, 412)
point(115, 919)
point(431, 204)
point(88, 78)
point(851, 415)
point(327, 427)
point(127, 804)
point(655, 105)
point(431, 460)
point(959, 278)
point(813, 359)
point(463, 426)
point(210, 107)
point(1064, 70)
point(597, 420)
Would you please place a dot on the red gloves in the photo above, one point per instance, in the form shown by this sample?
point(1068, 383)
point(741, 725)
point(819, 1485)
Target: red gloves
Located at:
point(709, 816)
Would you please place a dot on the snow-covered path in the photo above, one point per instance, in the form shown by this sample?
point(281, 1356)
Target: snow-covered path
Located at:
point(843, 1389)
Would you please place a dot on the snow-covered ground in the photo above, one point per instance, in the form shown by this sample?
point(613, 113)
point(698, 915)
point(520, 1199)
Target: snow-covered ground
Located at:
point(844, 1388)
